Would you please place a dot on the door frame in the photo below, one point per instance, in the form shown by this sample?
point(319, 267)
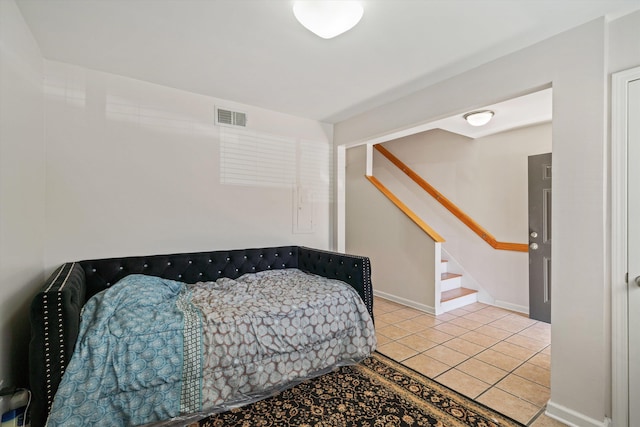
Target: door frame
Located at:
point(619, 296)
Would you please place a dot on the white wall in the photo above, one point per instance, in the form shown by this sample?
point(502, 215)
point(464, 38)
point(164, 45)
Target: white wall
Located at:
point(624, 43)
point(575, 63)
point(487, 178)
point(403, 257)
point(21, 188)
point(134, 168)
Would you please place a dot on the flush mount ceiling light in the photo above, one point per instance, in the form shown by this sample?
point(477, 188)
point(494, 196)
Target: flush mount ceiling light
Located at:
point(328, 18)
point(478, 118)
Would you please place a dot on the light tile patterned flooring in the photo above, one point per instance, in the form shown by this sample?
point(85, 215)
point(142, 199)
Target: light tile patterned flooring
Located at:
point(497, 357)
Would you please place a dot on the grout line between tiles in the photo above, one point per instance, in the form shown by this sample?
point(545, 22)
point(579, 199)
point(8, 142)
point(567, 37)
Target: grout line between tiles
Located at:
point(536, 416)
point(469, 357)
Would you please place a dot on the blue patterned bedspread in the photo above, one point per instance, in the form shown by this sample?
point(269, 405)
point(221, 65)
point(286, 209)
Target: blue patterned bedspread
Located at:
point(127, 369)
point(151, 349)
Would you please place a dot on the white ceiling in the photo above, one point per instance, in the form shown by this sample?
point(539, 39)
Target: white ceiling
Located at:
point(514, 113)
point(255, 52)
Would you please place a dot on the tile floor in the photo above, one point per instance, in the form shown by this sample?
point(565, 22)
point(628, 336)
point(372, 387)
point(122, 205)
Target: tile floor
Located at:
point(497, 357)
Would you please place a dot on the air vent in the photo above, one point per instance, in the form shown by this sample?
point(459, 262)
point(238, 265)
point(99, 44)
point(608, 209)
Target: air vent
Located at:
point(230, 118)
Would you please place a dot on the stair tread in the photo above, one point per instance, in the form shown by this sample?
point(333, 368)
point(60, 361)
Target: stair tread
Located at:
point(446, 276)
point(456, 293)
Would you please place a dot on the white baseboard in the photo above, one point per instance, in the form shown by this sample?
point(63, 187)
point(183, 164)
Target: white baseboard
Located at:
point(432, 310)
point(404, 301)
point(513, 307)
point(573, 418)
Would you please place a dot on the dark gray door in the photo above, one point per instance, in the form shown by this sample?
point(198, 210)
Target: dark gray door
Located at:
point(540, 237)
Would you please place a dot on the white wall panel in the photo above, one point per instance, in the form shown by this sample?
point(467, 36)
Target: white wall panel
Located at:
point(575, 64)
point(137, 168)
point(22, 187)
point(403, 257)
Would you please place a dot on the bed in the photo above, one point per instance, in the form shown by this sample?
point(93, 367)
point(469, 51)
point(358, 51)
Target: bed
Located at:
point(204, 358)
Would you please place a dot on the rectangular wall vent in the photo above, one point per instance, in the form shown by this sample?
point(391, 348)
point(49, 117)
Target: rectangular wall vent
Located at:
point(230, 118)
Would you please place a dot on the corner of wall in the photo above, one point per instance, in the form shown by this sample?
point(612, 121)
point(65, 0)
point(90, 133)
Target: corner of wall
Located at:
point(573, 418)
point(22, 187)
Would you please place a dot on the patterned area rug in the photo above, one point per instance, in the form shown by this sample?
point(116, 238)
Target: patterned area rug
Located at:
point(377, 392)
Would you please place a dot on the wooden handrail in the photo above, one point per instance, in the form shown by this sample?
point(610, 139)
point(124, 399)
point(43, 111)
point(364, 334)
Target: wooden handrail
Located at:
point(408, 212)
point(451, 207)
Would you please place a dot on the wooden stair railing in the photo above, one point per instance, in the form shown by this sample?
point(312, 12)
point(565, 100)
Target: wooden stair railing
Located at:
point(408, 212)
point(450, 206)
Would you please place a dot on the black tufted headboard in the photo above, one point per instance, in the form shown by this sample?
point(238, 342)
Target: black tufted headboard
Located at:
point(55, 310)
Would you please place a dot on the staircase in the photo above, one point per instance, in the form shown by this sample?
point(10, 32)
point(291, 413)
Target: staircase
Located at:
point(452, 294)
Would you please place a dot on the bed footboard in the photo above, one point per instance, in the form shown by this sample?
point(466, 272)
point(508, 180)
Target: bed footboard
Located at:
point(55, 321)
point(351, 269)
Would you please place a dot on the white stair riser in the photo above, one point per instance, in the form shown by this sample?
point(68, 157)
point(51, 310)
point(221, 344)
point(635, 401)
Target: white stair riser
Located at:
point(447, 285)
point(443, 267)
point(458, 302)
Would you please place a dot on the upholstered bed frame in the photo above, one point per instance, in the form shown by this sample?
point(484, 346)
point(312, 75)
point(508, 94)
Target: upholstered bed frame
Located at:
point(55, 310)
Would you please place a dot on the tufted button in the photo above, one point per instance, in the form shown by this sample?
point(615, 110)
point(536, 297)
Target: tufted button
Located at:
point(276, 253)
point(261, 255)
point(228, 259)
point(199, 274)
point(219, 272)
point(179, 276)
point(190, 262)
point(253, 268)
point(146, 266)
point(210, 261)
point(283, 265)
point(121, 268)
point(245, 257)
point(169, 263)
point(94, 270)
point(236, 270)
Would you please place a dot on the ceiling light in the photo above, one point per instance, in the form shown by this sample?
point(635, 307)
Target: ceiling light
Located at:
point(478, 118)
point(328, 18)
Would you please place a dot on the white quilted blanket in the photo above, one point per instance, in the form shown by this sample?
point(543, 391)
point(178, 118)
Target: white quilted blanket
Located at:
point(263, 330)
